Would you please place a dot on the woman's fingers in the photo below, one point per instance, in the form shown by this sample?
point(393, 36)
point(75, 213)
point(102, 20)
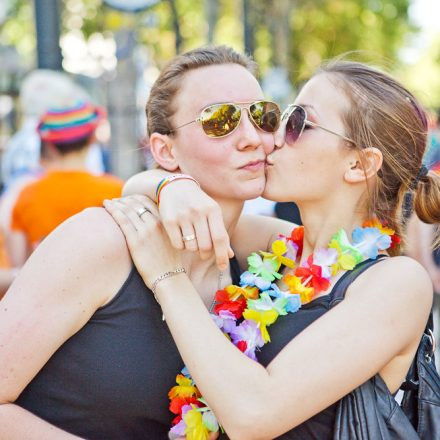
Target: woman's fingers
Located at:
point(220, 239)
point(123, 221)
point(203, 235)
point(189, 237)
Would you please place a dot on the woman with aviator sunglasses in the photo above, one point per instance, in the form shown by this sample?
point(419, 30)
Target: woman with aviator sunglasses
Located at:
point(83, 348)
point(349, 153)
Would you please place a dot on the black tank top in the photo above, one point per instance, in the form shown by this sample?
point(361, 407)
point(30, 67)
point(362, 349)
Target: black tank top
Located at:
point(111, 379)
point(286, 328)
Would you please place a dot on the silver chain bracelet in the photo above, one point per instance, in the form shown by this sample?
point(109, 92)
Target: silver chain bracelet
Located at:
point(165, 275)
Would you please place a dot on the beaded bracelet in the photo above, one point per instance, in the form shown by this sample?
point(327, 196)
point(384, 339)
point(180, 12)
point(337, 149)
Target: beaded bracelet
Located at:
point(165, 275)
point(164, 182)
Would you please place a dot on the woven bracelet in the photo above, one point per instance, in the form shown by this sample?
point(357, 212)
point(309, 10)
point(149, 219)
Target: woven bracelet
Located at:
point(164, 182)
point(162, 277)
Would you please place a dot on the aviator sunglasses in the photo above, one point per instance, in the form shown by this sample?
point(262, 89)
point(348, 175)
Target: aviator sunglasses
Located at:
point(219, 120)
point(297, 121)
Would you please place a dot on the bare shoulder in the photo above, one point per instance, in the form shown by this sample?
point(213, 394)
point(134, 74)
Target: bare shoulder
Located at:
point(257, 232)
point(400, 285)
point(85, 255)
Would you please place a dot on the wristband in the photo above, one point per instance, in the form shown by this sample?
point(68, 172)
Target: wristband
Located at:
point(164, 182)
point(164, 276)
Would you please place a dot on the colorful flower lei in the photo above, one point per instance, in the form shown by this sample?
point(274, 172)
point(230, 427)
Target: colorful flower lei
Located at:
point(244, 312)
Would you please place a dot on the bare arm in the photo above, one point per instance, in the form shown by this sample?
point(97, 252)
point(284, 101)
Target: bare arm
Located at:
point(55, 294)
point(145, 183)
point(385, 314)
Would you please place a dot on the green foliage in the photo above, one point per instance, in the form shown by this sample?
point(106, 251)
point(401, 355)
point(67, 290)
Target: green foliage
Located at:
point(295, 34)
point(18, 28)
point(322, 29)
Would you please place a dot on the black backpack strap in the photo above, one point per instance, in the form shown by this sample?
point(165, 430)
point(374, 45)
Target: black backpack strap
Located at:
point(340, 288)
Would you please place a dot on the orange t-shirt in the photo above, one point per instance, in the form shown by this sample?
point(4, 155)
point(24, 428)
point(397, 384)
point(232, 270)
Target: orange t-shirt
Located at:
point(44, 204)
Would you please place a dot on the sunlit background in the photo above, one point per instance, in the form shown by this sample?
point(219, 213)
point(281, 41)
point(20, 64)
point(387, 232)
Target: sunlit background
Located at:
point(116, 55)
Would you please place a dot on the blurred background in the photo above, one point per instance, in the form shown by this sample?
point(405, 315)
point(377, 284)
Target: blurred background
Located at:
point(113, 50)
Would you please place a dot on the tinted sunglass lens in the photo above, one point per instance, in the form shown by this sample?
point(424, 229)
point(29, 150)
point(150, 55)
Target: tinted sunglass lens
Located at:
point(295, 125)
point(266, 115)
point(220, 120)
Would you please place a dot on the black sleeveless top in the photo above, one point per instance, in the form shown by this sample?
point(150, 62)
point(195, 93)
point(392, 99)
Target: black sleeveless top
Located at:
point(320, 426)
point(110, 380)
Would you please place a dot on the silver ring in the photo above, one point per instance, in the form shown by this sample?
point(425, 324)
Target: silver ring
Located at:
point(141, 211)
point(188, 237)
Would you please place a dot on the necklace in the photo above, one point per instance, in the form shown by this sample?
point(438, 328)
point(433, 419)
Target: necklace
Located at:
point(219, 286)
point(244, 312)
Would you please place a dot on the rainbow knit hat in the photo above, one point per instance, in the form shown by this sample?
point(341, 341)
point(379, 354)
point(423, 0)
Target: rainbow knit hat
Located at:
point(68, 124)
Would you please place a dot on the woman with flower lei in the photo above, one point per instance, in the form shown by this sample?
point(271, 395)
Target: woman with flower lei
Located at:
point(346, 157)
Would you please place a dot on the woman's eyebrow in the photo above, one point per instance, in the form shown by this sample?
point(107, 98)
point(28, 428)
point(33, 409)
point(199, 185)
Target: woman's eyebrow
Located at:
point(309, 106)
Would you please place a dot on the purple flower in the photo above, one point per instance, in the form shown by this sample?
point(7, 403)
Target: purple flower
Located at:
point(225, 320)
point(249, 332)
point(251, 280)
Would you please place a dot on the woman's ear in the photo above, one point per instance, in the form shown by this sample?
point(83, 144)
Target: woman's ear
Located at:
point(162, 150)
point(366, 165)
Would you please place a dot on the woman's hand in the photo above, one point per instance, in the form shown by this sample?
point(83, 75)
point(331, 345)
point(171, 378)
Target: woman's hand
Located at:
point(147, 241)
point(187, 211)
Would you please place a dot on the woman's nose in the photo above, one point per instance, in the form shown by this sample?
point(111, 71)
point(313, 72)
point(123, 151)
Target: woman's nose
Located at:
point(249, 133)
point(280, 136)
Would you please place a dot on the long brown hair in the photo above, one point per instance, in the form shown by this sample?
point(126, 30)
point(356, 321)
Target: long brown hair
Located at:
point(159, 107)
point(385, 115)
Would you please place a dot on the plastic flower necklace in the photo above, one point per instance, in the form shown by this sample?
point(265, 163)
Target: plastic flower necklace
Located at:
point(244, 312)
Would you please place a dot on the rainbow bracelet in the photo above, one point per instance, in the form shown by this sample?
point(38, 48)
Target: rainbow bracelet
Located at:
point(164, 182)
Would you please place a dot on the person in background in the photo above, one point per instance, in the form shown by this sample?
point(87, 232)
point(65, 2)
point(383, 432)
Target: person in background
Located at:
point(67, 186)
point(21, 163)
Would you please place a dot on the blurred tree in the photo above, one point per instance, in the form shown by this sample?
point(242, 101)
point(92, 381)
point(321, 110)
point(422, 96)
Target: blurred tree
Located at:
point(294, 34)
point(322, 29)
point(422, 75)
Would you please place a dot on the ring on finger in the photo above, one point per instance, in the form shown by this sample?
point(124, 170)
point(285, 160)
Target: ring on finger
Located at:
point(188, 237)
point(141, 211)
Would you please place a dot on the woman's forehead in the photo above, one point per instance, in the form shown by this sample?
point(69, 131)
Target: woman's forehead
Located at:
point(218, 83)
point(323, 93)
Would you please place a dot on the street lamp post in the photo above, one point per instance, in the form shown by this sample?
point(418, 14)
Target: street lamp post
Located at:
point(47, 21)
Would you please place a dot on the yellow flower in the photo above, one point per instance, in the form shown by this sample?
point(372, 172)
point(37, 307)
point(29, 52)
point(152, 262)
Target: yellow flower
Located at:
point(195, 429)
point(279, 248)
point(263, 319)
point(248, 292)
point(345, 261)
point(295, 286)
point(184, 388)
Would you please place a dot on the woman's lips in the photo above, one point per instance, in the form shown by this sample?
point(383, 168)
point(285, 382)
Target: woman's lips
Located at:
point(254, 166)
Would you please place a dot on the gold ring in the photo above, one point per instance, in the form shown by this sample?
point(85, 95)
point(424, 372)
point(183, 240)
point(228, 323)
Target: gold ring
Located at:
point(188, 237)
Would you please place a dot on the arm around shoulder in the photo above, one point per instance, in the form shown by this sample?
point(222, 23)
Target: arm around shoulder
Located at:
point(75, 270)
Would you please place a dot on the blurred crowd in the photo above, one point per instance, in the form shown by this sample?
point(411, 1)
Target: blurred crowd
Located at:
point(53, 167)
